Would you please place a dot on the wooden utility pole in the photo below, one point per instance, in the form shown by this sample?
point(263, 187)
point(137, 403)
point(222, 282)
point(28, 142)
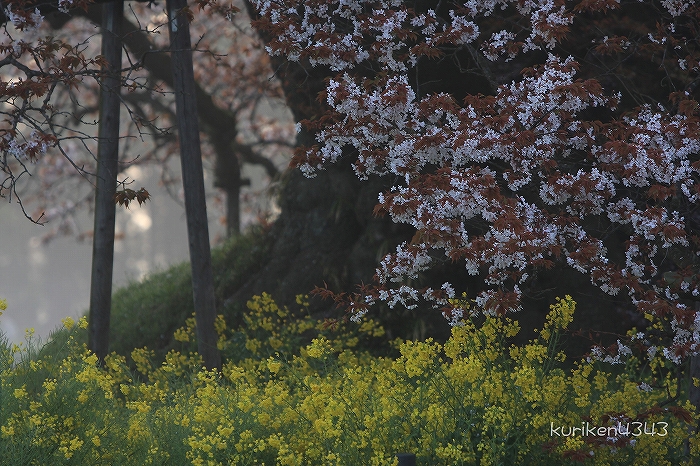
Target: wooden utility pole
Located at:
point(106, 183)
point(193, 182)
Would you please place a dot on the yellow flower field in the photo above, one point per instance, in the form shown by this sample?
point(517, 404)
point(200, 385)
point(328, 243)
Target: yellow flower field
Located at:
point(283, 400)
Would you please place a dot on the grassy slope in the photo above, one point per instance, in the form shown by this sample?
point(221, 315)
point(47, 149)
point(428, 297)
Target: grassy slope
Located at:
point(147, 313)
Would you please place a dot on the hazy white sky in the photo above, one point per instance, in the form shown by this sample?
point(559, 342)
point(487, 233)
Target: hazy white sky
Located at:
point(44, 283)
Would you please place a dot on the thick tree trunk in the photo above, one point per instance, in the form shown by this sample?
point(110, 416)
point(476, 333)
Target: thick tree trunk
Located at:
point(106, 184)
point(193, 181)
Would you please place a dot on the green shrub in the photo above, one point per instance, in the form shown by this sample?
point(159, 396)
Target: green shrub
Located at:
point(148, 312)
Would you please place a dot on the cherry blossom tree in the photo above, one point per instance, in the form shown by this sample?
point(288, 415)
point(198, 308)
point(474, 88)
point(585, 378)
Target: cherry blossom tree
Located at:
point(517, 135)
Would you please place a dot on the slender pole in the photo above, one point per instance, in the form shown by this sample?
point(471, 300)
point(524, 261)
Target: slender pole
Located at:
point(106, 183)
point(193, 182)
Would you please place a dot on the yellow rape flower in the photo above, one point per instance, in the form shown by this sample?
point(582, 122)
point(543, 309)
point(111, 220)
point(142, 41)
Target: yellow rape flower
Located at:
point(83, 396)
point(318, 348)
point(49, 386)
point(561, 314)
point(83, 322)
point(68, 323)
point(273, 365)
point(302, 299)
point(69, 448)
point(253, 345)
point(21, 392)
point(220, 324)
point(417, 357)
point(181, 335)
point(142, 359)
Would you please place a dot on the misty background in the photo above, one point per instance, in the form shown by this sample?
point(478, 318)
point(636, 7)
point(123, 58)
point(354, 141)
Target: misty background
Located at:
point(44, 282)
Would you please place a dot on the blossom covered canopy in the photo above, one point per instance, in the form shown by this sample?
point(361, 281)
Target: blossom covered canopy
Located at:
point(512, 171)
